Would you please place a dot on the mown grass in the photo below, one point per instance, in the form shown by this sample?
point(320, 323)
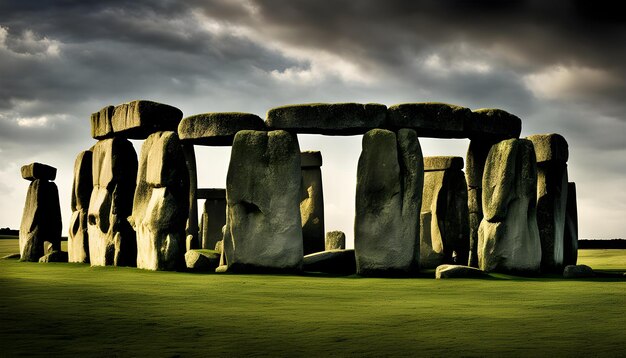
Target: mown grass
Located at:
point(77, 310)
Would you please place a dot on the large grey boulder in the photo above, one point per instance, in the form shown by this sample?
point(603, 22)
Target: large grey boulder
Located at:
point(388, 199)
point(458, 271)
point(312, 202)
point(335, 240)
point(508, 234)
point(41, 220)
point(570, 237)
point(430, 119)
point(331, 261)
point(161, 203)
point(578, 271)
point(445, 197)
point(328, 118)
point(34, 171)
point(492, 124)
point(78, 240)
point(218, 128)
point(114, 171)
point(552, 154)
point(134, 120)
point(263, 187)
point(213, 217)
point(202, 260)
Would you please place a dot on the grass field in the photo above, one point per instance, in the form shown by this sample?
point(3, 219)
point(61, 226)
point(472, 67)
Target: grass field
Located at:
point(76, 310)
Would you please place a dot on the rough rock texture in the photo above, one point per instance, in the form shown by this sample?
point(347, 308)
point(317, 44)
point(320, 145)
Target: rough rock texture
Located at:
point(191, 227)
point(431, 119)
point(331, 261)
point(552, 155)
point(445, 197)
point(217, 129)
point(263, 187)
point(54, 256)
point(161, 203)
point(458, 271)
point(328, 118)
point(114, 171)
point(312, 203)
point(202, 260)
point(41, 220)
point(578, 271)
point(134, 120)
point(388, 198)
point(335, 240)
point(78, 239)
point(508, 237)
point(431, 246)
point(213, 219)
point(491, 124)
point(570, 237)
point(34, 171)
point(219, 246)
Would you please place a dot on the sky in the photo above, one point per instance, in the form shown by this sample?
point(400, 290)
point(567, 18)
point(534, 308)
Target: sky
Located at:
point(558, 65)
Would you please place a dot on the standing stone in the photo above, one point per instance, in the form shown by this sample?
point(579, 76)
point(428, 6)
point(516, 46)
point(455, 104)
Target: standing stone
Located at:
point(263, 187)
point(388, 197)
point(78, 240)
point(552, 154)
point(213, 217)
point(570, 238)
point(161, 203)
point(41, 219)
point(191, 228)
point(508, 237)
point(431, 246)
point(335, 240)
point(445, 197)
point(312, 203)
point(484, 128)
point(111, 237)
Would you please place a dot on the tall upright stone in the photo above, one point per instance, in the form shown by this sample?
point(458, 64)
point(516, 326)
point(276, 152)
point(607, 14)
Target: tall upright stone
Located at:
point(161, 203)
point(570, 237)
point(485, 127)
point(445, 197)
point(508, 237)
point(213, 216)
point(78, 240)
point(114, 171)
point(263, 188)
point(41, 218)
point(552, 154)
point(390, 178)
point(312, 202)
point(193, 236)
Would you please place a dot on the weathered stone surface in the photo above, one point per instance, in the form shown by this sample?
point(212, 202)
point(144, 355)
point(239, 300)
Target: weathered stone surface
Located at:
point(328, 118)
point(54, 256)
point(161, 203)
point(431, 246)
point(570, 237)
point(191, 228)
point(34, 171)
point(218, 128)
point(202, 260)
point(335, 240)
point(114, 171)
point(78, 239)
point(41, 220)
point(430, 119)
point(331, 261)
point(263, 187)
point(219, 246)
point(310, 158)
point(12, 256)
point(135, 120)
point(508, 234)
point(312, 205)
point(551, 198)
point(388, 198)
point(437, 163)
point(550, 147)
point(213, 220)
point(458, 271)
point(445, 197)
point(578, 271)
point(492, 124)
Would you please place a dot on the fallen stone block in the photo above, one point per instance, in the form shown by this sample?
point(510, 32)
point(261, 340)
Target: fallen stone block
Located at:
point(202, 260)
point(217, 129)
point(458, 271)
point(54, 256)
point(578, 271)
point(34, 171)
point(331, 261)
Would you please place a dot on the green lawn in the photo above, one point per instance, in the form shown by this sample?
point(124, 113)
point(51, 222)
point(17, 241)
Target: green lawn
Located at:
point(76, 310)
